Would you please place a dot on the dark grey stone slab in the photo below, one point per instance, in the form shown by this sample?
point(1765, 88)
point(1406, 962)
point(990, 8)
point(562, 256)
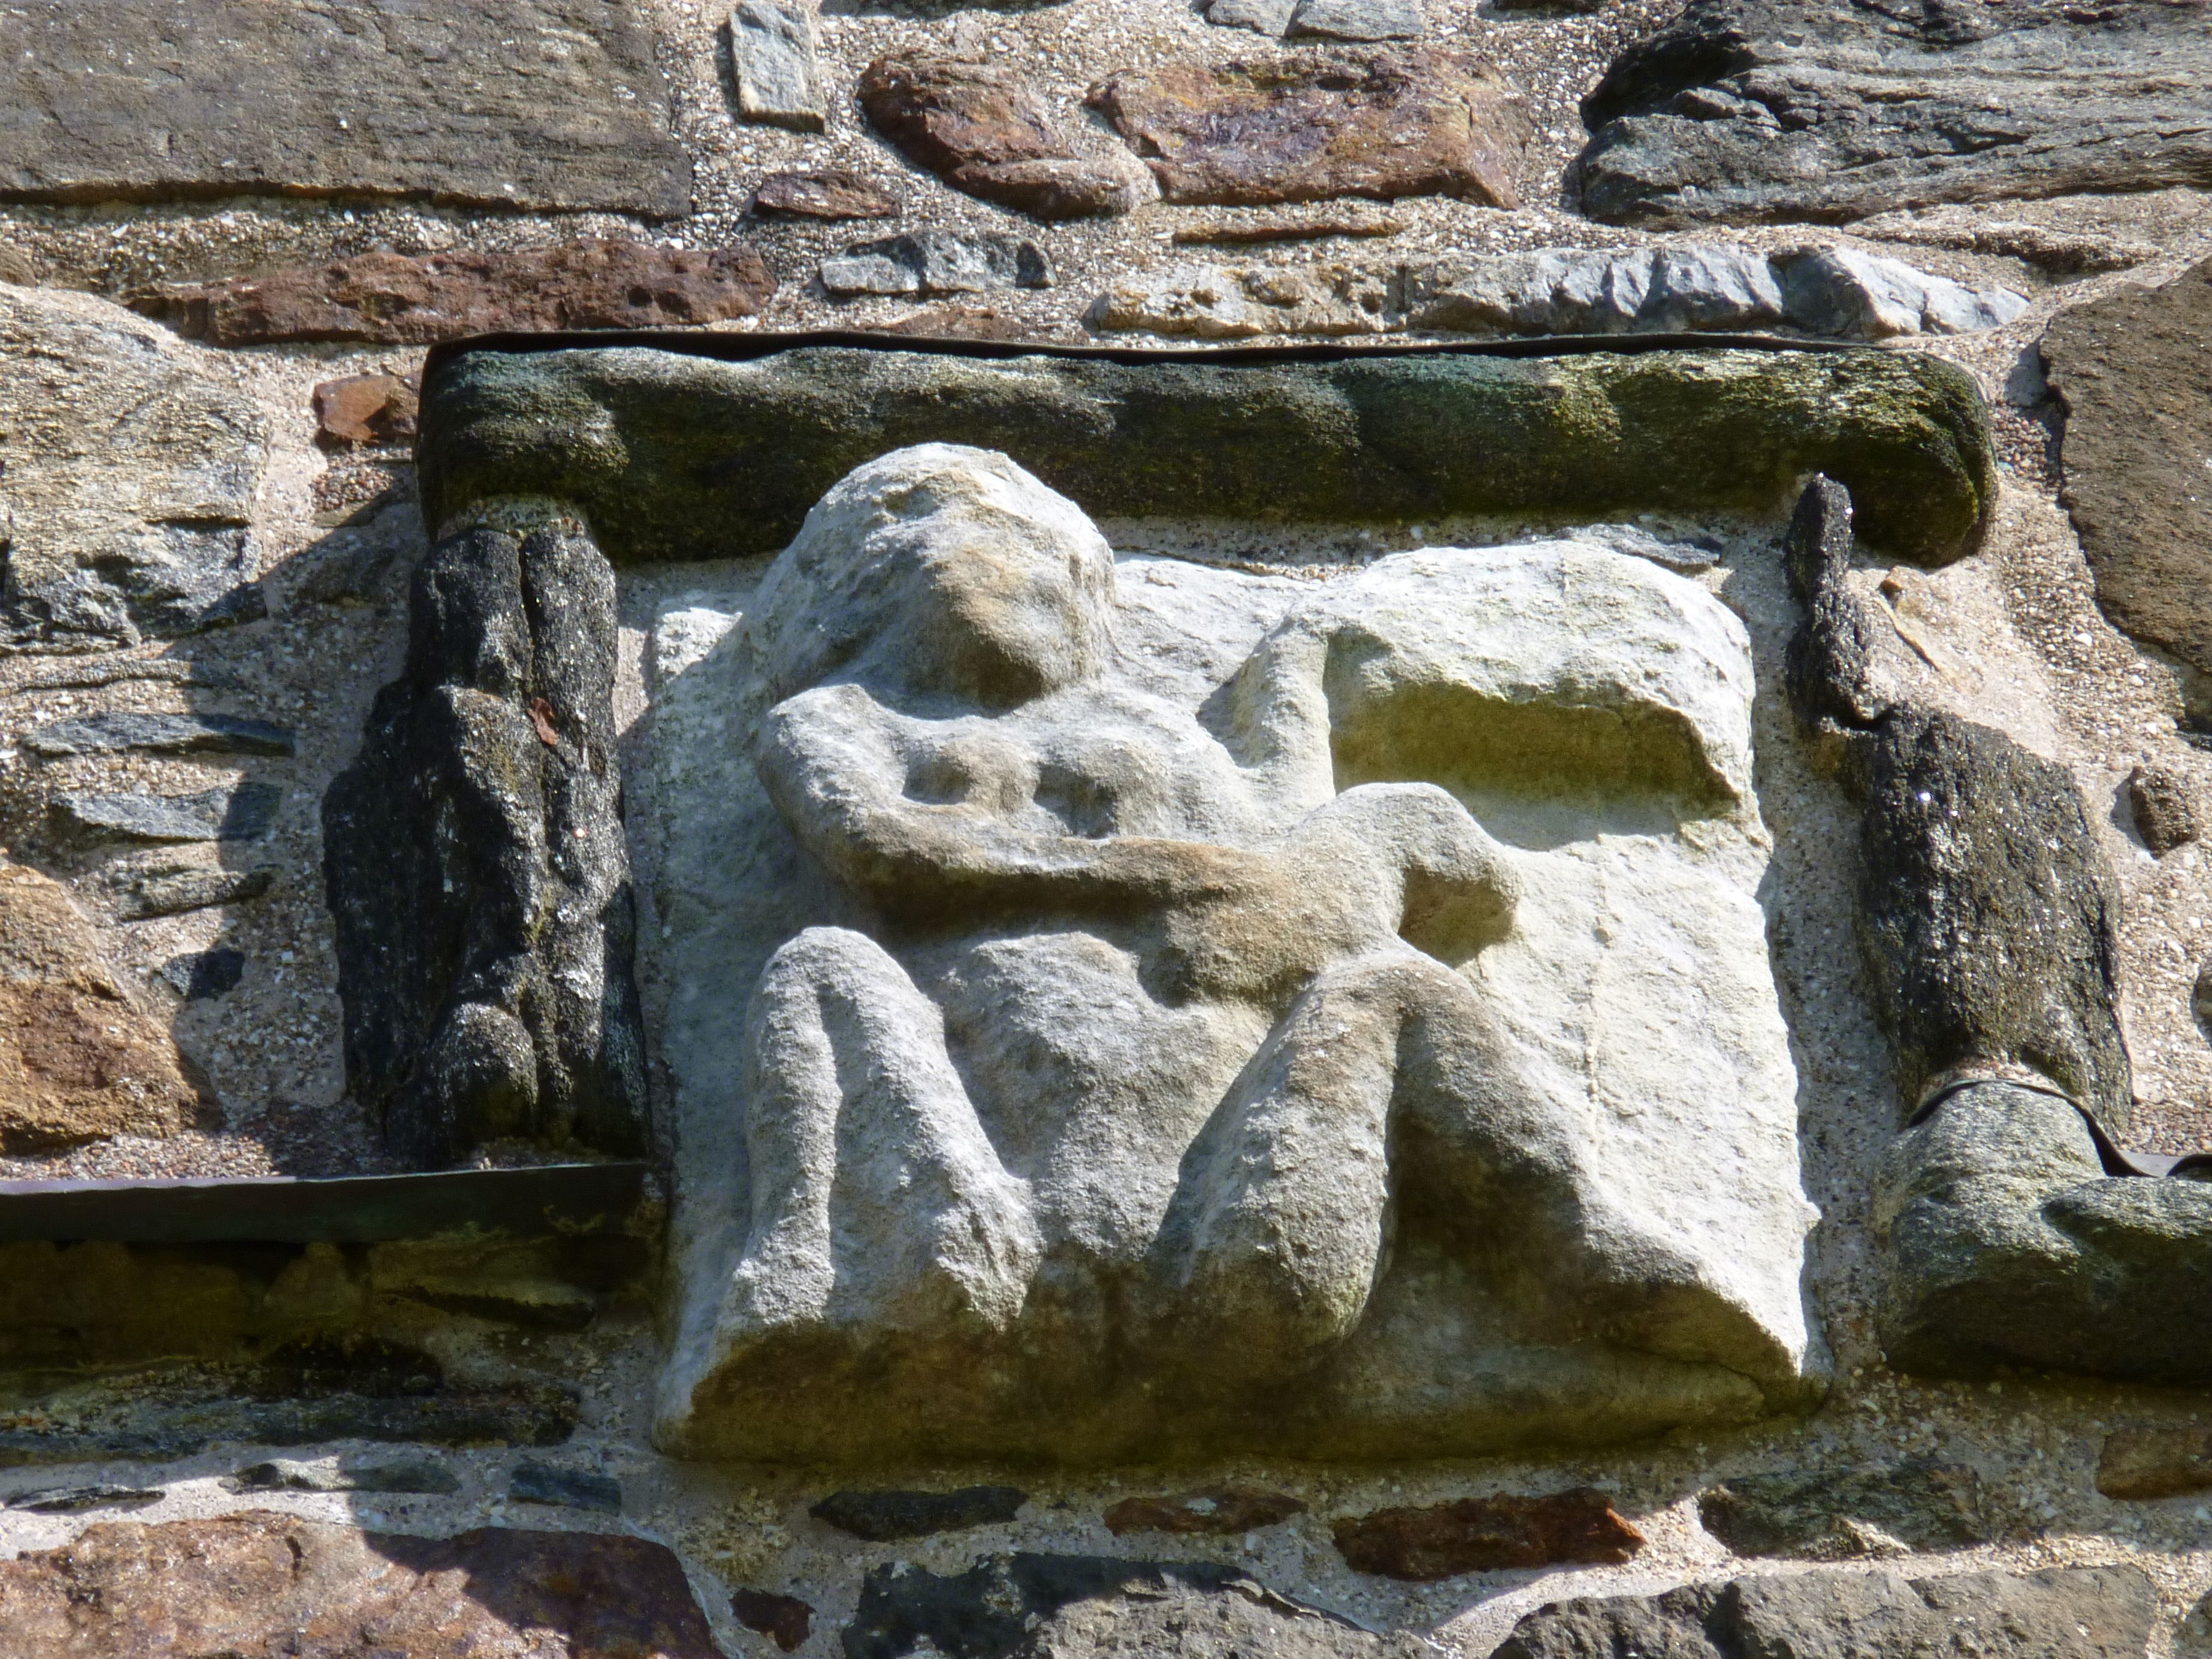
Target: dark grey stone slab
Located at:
point(166, 734)
point(2065, 1613)
point(199, 975)
point(75, 1500)
point(883, 1517)
point(565, 1198)
point(141, 893)
point(245, 813)
point(1833, 1514)
point(402, 1473)
point(534, 104)
point(533, 1482)
point(1742, 111)
point(1081, 1606)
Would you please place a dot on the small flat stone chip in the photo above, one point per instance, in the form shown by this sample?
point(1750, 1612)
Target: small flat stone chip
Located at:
point(366, 408)
point(2142, 1463)
point(1358, 20)
point(1268, 17)
point(394, 299)
point(168, 734)
point(531, 104)
point(75, 1500)
point(784, 1619)
point(1404, 122)
point(773, 52)
point(825, 193)
point(201, 975)
point(1487, 1534)
point(535, 1482)
point(883, 1517)
point(404, 1473)
point(1216, 1511)
point(143, 894)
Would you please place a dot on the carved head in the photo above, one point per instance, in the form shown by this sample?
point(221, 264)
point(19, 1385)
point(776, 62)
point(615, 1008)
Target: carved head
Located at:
point(938, 572)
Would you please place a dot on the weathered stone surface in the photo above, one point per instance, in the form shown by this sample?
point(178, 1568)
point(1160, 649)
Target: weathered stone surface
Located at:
point(773, 50)
point(171, 890)
point(78, 1500)
point(405, 1473)
point(1307, 128)
point(1216, 302)
point(2062, 1613)
point(1216, 1511)
point(1029, 1607)
point(2135, 375)
point(981, 129)
point(959, 322)
point(937, 262)
point(654, 445)
point(475, 864)
point(2163, 804)
point(784, 1619)
point(1093, 1167)
point(1826, 1514)
point(537, 1482)
point(366, 409)
point(825, 193)
point(1256, 227)
point(1842, 292)
point(79, 1060)
point(245, 813)
point(263, 1582)
point(1266, 17)
point(198, 975)
point(2002, 1199)
point(508, 103)
point(883, 1517)
point(1988, 914)
point(128, 466)
point(2147, 1463)
point(161, 734)
point(396, 299)
point(1834, 291)
point(258, 1411)
point(1487, 1534)
point(1751, 109)
point(1358, 20)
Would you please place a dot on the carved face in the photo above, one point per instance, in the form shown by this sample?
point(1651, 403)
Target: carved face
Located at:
point(996, 622)
point(940, 572)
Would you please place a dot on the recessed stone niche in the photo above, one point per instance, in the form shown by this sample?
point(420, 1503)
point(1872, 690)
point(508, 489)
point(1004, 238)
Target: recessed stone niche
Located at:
point(1114, 1004)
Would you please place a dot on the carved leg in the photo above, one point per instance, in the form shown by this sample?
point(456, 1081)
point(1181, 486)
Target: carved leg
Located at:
point(1386, 1098)
point(879, 1204)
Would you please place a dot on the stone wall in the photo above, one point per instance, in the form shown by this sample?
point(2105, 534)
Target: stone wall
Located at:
point(363, 822)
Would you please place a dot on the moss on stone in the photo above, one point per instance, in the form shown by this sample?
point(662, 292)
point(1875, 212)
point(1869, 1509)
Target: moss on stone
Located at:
point(676, 457)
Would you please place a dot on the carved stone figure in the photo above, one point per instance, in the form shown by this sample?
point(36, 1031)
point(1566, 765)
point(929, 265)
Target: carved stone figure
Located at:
point(1129, 1036)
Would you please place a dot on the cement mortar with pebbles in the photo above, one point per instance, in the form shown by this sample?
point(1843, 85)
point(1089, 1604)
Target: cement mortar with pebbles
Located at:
point(2010, 637)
